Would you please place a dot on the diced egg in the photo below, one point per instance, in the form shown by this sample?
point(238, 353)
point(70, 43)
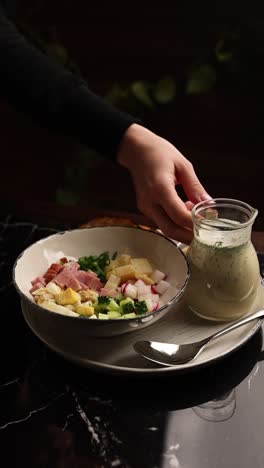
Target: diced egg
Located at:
point(53, 307)
point(53, 288)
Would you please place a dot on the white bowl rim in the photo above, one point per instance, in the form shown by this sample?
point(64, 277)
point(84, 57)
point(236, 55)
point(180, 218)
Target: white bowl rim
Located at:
point(117, 320)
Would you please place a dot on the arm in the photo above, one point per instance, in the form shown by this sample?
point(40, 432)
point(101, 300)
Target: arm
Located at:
point(61, 101)
point(55, 98)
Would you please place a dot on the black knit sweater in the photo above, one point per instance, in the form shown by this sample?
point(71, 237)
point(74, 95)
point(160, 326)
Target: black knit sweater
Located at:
point(53, 96)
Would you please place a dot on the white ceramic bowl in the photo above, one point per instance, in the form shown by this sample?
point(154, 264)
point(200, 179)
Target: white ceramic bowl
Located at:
point(57, 330)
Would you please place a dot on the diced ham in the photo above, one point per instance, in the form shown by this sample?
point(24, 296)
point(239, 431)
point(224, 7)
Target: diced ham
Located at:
point(55, 267)
point(74, 284)
point(49, 276)
point(35, 287)
point(63, 277)
point(63, 260)
point(91, 280)
point(39, 279)
point(71, 266)
point(83, 276)
point(92, 273)
point(108, 292)
point(52, 271)
point(95, 283)
point(70, 277)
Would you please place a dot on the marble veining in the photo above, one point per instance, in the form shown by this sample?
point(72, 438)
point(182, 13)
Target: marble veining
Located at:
point(56, 415)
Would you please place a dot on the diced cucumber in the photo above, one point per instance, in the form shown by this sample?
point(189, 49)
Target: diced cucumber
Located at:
point(141, 307)
point(127, 306)
point(112, 314)
point(103, 316)
point(119, 297)
point(130, 316)
point(113, 306)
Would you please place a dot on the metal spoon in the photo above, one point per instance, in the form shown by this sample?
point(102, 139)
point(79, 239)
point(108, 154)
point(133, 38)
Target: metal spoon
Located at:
point(171, 354)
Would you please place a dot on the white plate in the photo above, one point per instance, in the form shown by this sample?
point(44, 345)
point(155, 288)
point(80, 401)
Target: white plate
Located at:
point(116, 356)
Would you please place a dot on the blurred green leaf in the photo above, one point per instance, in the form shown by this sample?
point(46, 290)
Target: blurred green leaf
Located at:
point(201, 80)
point(141, 91)
point(164, 91)
point(65, 196)
point(223, 55)
point(117, 93)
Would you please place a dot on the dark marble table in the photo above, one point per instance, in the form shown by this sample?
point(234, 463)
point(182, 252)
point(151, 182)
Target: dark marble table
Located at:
point(56, 415)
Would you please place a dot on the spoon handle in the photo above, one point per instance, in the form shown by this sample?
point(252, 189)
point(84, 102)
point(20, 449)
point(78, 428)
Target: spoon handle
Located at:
point(237, 324)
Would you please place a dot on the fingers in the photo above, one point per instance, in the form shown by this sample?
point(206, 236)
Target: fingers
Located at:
point(168, 227)
point(167, 197)
point(189, 205)
point(191, 184)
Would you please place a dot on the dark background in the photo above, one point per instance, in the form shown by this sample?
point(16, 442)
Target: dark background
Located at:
point(219, 127)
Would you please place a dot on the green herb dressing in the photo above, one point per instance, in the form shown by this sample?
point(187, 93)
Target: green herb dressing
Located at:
point(224, 280)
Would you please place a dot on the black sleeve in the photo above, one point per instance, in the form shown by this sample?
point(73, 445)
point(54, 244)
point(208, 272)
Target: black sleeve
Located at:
point(55, 98)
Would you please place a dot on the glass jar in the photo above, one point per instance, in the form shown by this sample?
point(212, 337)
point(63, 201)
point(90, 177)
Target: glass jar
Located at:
point(224, 267)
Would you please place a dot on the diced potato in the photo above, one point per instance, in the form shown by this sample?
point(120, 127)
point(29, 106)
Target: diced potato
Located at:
point(93, 316)
point(89, 295)
point(68, 297)
point(48, 296)
point(112, 265)
point(40, 299)
point(146, 279)
point(85, 309)
point(109, 273)
point(126, 272)
point(142, 266)
point(113, 282)
point(124, 260)
point(53, 288)
point(44, 297)
point(39, 292)
point(88, 303)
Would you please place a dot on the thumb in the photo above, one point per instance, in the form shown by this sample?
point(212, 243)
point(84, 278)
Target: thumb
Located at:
point(192, 186)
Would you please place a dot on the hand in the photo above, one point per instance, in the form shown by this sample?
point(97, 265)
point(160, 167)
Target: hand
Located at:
point(157, 167)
